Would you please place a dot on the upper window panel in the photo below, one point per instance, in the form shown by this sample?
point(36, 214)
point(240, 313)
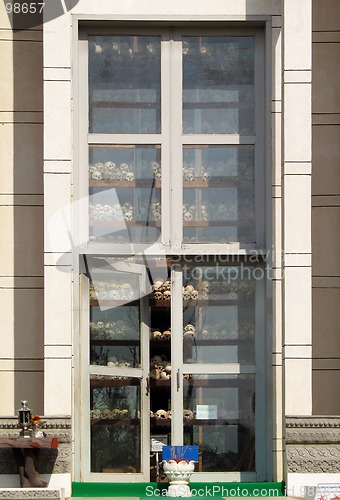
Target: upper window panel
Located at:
point(218, 85)
point(125, 79)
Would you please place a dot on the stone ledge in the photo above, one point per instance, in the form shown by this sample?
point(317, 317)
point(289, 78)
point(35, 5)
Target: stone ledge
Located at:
point(313, 444)
point(33, 493)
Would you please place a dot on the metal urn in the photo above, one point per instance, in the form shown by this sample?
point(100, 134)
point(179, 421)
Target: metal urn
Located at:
point(24, 418)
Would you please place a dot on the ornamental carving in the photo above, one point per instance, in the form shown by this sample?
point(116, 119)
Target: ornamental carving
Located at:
point(313, 444)
point(17, 494)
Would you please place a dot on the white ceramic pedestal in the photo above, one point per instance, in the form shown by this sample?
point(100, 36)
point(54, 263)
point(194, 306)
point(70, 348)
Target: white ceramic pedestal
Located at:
point(179, 474)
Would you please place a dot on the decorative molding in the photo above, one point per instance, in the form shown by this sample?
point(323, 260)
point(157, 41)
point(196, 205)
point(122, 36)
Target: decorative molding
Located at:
point(18, 494)
point(313, 422)
point(313, 444)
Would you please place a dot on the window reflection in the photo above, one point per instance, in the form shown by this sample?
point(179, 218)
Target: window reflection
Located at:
point(124, 84)
point(115, 424)
point(218, 85)
point(219, 417)
point(219, 315)
point(218, 194)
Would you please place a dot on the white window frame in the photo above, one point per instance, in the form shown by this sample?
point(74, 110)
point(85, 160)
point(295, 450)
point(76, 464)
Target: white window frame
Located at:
point(172, 229)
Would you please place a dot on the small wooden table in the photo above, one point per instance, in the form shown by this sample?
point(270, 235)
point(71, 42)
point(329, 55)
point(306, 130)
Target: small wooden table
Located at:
point(29, 442)
point(25, 452)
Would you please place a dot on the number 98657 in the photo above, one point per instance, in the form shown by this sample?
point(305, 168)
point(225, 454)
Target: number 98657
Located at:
point(24, 8)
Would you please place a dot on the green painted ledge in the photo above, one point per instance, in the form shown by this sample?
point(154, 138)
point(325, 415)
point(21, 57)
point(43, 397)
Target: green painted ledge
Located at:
point(199, 490)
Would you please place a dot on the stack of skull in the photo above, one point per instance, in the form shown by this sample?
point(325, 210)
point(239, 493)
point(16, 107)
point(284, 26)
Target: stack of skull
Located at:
point(107, 212)
point(118, 290)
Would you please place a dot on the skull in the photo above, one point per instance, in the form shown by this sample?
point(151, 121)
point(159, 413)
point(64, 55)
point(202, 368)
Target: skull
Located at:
point(98, 48)
point(157, 335)
point(167, 285)
point(161, 414)
point(155, 373)
point(129, 176)
point(186, 295)
point(166, 295)
point(188, 414)
point(189, 328)
point(167, 366)
point(158, 295)
point(96, 175)
point(114, 294)
point(165, 376)
point(194, 294)
point(128, 216)
point(156, 360)
point(166, 335)
point(157, 284)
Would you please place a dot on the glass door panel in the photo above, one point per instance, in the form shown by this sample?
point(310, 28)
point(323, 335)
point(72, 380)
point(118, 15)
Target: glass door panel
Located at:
point(219, 417)
point(124, 84)
point(218, 85)
point(218, 194)
point(125, 194)
point(115, 417)
point(160, 370)
point(118, 366)
point(219, 315)
point(115, 336)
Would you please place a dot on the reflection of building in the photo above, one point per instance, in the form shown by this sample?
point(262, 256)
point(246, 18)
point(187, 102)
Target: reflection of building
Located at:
point(174, 154)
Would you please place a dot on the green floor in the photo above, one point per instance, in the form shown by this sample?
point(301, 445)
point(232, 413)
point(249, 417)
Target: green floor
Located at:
point(145, 491)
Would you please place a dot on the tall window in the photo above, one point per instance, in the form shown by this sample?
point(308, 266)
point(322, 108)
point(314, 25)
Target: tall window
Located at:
point(171, 160)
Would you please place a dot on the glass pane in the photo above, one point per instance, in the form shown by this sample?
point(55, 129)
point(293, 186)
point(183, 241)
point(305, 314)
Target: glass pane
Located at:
point(219, 314)
point(115, 320)
point(218, 85)
point(115, 424)
point(218, 194)
point(219, 417)
point(160, 368)
point(124, 84)
point(125, 194)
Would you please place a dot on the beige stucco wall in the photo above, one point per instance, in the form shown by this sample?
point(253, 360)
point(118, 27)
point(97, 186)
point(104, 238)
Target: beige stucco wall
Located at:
point(21, 218)
point(326, 207)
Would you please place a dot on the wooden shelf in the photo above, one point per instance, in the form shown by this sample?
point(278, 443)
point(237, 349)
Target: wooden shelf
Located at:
point(124, 104)
point(198, 383)
point(114, 303)
point(138, 183)
point(160, 304)
point(190, 422)
point(218, 182)
point(113, 342)
point(215, 182)
point(123, 223)
point(196, 341)
point(120, 422)
point(218, 302)
point(114, 382)
point(216, 223)
point(160, 383)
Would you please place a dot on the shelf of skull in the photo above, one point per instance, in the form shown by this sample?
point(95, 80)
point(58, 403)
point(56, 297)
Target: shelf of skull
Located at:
point(160, 359)
point(124, 189)
point(218, 193)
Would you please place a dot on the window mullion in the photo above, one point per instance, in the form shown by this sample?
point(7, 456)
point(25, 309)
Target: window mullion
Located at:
point(176, 141)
